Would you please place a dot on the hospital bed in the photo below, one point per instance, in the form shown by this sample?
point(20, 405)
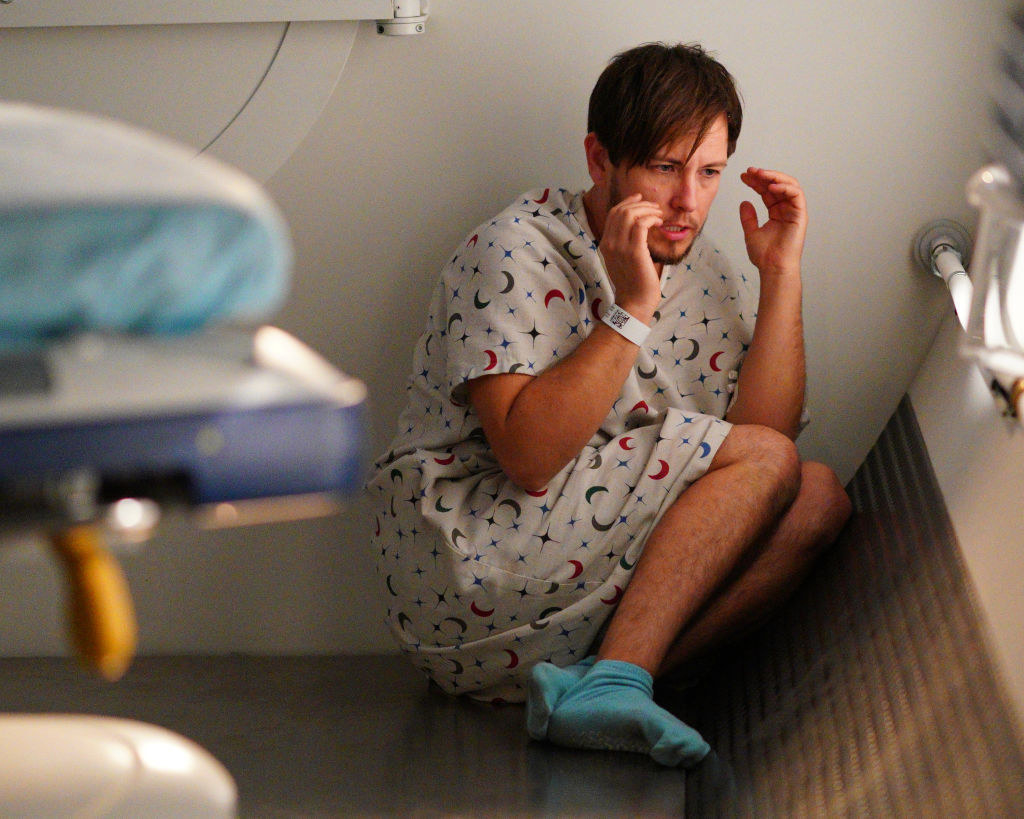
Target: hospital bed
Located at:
point(136, 372)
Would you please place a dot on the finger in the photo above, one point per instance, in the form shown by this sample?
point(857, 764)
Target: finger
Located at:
point(624, 218)
point(633, 206)
point(760, 186)
point(641, 227)
point(626, 200)
point(783, 200)
point(772, 184)
point(622, 231)
point(631, 201)
point(769, 175)
point(748, 218)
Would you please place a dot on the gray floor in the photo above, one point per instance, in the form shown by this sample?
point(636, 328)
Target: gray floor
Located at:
point(342, 736)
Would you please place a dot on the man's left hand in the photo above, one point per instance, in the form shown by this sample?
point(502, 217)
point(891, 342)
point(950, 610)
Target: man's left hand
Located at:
point(776, 246)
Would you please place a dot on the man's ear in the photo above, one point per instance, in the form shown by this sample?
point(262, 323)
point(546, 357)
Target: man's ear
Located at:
point(597, 158)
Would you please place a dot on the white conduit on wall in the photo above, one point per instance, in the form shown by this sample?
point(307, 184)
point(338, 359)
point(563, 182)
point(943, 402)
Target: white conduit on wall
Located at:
point(951, 268)
point(943, 247)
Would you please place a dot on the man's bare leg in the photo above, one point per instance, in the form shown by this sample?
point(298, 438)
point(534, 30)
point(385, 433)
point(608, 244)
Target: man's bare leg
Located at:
point(812, 522)
point(692, 552)
point(700, 541)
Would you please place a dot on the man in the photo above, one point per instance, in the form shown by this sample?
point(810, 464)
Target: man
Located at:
point(587, 489)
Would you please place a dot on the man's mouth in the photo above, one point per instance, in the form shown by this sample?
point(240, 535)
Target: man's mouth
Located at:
point(676, 233)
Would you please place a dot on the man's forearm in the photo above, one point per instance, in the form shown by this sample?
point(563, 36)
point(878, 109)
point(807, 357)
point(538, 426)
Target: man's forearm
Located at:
point(536, 425)
point(772, 380)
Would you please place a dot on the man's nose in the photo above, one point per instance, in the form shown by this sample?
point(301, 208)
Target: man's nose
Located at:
point(684, 195)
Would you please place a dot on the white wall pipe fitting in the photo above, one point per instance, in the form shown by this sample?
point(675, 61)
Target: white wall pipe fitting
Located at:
point(950, 267)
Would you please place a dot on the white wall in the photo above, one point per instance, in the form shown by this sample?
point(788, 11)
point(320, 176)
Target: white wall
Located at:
point(875, 106)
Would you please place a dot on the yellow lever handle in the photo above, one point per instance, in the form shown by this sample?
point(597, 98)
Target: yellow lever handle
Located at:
point(100, 611)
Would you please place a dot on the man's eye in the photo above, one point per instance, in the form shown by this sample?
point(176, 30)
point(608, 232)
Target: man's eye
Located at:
point(666, 168)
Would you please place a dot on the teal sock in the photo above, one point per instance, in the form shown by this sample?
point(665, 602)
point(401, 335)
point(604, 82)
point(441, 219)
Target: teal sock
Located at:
point(611, 708)
point(547, 684)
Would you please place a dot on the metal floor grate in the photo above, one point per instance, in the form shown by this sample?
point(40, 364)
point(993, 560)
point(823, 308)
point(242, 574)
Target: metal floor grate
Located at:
point(871, 693)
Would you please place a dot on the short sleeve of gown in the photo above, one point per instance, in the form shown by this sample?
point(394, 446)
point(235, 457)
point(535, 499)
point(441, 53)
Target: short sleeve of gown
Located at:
point(513, 300)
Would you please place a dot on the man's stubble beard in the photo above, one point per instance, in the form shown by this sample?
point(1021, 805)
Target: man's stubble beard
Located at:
point(615, 196)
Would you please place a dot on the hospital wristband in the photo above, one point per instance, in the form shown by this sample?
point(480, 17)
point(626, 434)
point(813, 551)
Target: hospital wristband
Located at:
point(625, 325)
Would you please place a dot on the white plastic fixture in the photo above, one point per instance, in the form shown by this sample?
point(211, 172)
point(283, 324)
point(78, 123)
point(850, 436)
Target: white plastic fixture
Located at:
point(995, 334)
point(21, 13)
point(253, 117)
point(80, 765)
point(989, 301)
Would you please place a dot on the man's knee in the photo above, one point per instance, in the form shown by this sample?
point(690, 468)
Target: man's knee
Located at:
point(770, 453)
point(821, 491)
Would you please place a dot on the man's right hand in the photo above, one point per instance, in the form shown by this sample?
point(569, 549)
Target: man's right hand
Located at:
point(627, 259)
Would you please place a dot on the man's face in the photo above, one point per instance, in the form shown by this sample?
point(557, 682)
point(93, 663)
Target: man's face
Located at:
point(682, 187)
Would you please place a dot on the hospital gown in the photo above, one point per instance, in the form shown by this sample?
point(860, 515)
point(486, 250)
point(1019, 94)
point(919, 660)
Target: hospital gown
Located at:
point(482, 578)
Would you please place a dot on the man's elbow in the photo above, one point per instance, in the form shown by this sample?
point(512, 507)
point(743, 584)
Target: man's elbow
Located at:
point(526, 472)
point(528, 479)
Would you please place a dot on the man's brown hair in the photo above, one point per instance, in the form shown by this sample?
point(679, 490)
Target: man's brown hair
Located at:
point(654, 94)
